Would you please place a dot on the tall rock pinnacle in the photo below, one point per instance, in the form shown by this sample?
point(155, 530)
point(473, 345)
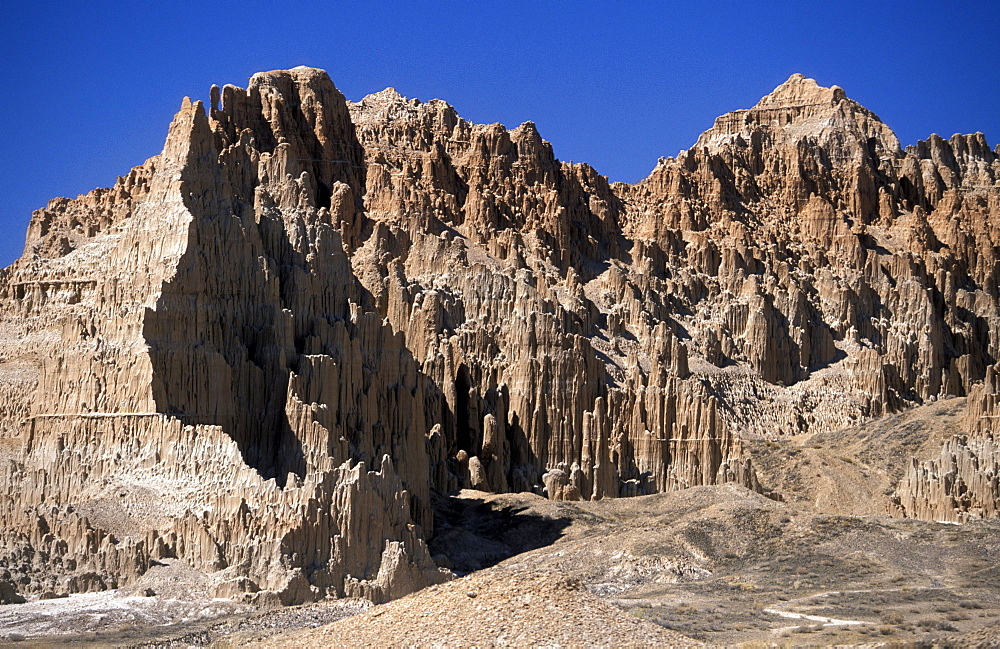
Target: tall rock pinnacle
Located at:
point(262, 351)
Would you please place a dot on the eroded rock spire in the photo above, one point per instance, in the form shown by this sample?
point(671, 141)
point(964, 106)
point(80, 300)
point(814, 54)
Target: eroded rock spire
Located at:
point(261, 351)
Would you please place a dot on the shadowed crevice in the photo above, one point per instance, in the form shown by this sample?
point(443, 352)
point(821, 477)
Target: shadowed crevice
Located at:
point(472, 533)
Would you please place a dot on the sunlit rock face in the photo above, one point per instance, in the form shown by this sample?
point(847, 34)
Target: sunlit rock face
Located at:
point(261, 351)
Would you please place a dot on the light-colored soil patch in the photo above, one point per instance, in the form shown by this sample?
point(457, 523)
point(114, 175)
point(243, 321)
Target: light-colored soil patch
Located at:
point(107, 611)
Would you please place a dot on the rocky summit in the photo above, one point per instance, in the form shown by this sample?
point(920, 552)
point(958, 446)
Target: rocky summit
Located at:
point(267, 351)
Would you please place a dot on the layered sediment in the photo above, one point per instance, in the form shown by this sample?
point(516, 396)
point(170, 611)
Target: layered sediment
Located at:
point(963, 482)
point(262, 350)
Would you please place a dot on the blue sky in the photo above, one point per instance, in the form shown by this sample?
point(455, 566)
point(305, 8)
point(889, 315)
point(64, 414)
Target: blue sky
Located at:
point(91, 86)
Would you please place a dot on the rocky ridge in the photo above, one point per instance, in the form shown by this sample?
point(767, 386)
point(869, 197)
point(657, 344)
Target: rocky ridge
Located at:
point(261, 351)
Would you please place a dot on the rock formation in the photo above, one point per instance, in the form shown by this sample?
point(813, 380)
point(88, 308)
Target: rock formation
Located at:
point(963, 483)
point(263, 349)
point(815, 253)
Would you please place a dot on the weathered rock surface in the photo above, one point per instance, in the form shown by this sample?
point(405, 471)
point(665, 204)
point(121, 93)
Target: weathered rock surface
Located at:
point(814, 253)
point(963, 483)
point(9, 594)
point(263, 349)
point(203, 377)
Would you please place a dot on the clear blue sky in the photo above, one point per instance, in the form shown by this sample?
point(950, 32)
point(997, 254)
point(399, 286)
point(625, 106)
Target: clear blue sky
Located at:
point(90, 87)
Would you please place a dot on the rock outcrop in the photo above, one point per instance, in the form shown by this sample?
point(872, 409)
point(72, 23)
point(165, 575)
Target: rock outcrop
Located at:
point(814, 253)
point(204, 377)
point(963, 483)
point(263, 349)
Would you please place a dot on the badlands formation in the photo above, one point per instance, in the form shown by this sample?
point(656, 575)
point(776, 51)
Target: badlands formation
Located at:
point(266, 351)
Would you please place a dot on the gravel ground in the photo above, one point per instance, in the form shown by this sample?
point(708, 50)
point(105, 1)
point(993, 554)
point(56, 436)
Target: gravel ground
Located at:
point(716, 565)
point(497, 607)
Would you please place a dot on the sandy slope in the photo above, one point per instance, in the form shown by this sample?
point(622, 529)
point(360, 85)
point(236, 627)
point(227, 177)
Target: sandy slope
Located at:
point(499, 607)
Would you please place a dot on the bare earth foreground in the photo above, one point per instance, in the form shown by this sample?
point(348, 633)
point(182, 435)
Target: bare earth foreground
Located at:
point(501, 607)
point(720, 565)
point(715, 565)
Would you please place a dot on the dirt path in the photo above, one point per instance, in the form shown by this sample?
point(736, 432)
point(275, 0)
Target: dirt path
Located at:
point(826, 621)
point(830, 621)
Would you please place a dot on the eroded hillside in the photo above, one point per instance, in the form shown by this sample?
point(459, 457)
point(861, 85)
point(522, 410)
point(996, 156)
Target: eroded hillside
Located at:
point(264, 351)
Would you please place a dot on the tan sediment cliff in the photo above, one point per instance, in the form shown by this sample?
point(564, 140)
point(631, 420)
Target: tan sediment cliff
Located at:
point(262, 350)
point(963, 482)
point(209, 382)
